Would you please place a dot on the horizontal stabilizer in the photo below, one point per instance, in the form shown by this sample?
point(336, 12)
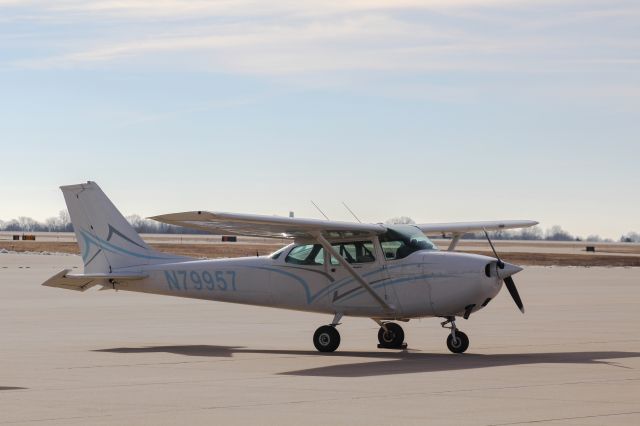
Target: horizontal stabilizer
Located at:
point(81, 282)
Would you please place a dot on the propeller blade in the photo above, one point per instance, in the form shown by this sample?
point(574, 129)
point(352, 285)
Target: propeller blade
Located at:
point(495, 253)
point(508, 281)
point(513, 291)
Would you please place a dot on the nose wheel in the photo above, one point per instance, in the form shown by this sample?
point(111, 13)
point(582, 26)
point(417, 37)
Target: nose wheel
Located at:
point(457, 341)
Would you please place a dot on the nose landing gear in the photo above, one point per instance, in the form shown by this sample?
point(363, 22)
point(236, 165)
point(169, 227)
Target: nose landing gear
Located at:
point(457, 341)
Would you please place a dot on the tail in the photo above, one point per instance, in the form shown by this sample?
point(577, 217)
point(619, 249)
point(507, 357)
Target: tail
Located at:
point(107, 241)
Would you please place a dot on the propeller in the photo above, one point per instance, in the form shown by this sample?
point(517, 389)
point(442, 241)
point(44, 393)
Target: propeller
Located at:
point(508, 281)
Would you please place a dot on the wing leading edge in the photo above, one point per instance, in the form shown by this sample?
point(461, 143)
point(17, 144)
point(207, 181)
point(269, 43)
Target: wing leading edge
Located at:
point(253, 225)
point(460, 228)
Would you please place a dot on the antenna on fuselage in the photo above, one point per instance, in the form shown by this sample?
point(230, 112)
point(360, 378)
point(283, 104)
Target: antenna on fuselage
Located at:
point(350, 211)
point(321, 212)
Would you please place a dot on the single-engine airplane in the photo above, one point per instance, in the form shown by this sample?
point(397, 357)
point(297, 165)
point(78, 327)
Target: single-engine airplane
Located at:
point(383, 272)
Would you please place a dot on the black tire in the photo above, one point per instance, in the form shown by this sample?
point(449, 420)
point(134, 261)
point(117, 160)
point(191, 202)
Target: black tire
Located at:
point(393, 337)
point(461, 344)
point(326, 338)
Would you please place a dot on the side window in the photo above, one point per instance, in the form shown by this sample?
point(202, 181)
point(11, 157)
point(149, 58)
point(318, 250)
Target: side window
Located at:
point(306, 255)
point(354, 252)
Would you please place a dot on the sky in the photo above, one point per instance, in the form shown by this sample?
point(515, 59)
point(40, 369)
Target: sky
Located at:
point(440, 110)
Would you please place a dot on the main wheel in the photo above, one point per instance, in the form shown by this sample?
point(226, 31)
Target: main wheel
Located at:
point(460, 345)
point(326, 338)
point(392, 337)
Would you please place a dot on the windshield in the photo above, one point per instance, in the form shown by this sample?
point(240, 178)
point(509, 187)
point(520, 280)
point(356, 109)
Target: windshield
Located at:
point(401, 240)
point(276, 254)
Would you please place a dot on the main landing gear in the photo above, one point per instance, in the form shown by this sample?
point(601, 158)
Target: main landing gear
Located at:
point(457, 341)
point(391, 336)
point(327, 338)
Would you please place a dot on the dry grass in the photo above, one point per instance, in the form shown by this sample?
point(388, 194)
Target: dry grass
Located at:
point(212, 251)
point(541, 245)
point(565, 259)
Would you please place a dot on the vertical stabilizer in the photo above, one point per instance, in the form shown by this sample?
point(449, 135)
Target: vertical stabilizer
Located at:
point(107, 241)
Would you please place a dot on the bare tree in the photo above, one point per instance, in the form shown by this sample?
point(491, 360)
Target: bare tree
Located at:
point(556, 233)
point(400, 220)
point(533, 233)
point(64, 221)
point(12, 225)
point(631, 237)
point(52, 224)
point(27, 224)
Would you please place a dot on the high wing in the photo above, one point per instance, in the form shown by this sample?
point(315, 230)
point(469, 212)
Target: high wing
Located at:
point(254, 225)
point(268, 226)
point(466, 227)
point(458, 229)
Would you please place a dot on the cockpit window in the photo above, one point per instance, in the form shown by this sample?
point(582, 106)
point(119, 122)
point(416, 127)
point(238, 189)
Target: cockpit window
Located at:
point(401, 240)
point(310, 254)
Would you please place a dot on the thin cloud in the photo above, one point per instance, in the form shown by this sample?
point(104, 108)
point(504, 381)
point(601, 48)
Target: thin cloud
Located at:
point(314, 41)
point(364, 42)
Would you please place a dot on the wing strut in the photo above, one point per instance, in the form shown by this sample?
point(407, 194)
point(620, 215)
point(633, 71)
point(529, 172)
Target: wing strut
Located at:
point(328, 247)
point(454, 242)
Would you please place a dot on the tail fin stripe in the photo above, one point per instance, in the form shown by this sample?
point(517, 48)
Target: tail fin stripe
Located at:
point(107, 246)
point(87, 262)
point(113, 231)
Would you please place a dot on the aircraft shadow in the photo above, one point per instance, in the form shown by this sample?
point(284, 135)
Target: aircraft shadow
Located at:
point(395, 362)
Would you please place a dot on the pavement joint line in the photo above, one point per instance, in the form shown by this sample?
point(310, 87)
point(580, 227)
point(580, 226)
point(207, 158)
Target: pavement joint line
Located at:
point(180, 382)
point(370, 396)
point(53, 419)
point(565, 418)
point(530, 398)
point(558, 344)
point(582, 382)
point(151, 364)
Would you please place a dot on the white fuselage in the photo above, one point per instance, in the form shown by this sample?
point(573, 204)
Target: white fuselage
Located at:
point(425, 283)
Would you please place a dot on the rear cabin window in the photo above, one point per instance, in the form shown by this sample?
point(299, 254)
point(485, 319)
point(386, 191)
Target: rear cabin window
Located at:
point(354, 252)
point(310, 254)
